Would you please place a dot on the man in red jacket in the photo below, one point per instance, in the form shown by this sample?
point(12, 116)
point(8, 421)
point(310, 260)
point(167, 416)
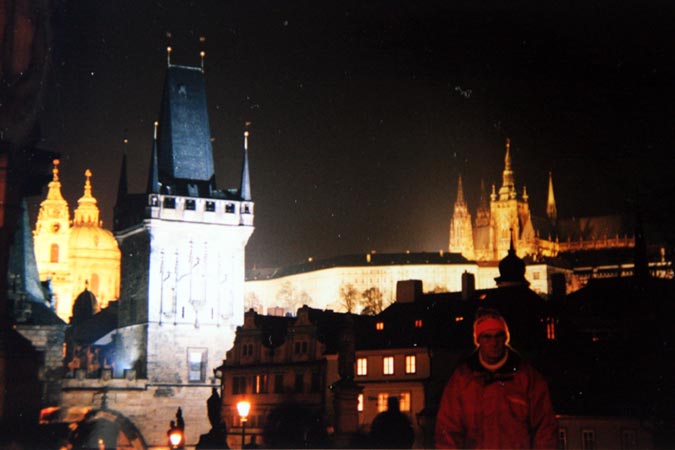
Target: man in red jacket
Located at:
point(495, 399)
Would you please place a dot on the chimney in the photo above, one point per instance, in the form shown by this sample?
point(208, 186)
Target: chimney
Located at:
point(468, 285)
point(407, 291)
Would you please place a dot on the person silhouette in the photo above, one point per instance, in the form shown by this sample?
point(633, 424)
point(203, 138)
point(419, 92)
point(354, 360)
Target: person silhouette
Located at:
point(391, 428)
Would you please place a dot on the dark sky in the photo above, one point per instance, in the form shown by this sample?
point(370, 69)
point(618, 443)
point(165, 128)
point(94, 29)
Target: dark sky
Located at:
point(364, 113)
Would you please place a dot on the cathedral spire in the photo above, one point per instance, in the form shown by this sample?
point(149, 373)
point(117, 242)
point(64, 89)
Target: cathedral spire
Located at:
point(551, 210)
point(153, 176)
point(460, 192)
point(508, 189)
point(245, 188)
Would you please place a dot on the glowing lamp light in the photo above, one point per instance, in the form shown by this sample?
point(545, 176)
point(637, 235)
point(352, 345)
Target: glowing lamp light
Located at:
point(175, 437)
point(243, 408)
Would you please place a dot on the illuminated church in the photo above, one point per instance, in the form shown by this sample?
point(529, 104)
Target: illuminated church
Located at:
point(507, 215)
point(75, 256)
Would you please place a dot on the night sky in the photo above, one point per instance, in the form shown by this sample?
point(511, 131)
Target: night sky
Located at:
point(364, 113)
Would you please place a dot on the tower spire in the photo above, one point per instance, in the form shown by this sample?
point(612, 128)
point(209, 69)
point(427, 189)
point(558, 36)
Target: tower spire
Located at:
point(551, 210)
point(153, 176)
point(245, 189)
point(122, 187)
point(460, 192)
point(508, 189)
point(54, 192)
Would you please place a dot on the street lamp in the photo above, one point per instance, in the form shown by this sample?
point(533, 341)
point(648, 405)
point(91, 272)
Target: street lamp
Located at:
point(243, 408)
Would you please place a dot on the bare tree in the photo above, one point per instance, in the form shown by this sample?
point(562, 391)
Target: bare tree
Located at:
point(286, 296)
point(349, 297)
point(251, 301)
point(292, 299)
point(373, 301)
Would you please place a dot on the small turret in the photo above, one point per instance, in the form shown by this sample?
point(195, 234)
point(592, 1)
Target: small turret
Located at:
point(245, 188)
point(551, 210)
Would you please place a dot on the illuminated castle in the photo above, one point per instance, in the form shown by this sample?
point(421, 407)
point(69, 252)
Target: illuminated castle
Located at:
point(75, 256)
point(182, 284)
point(507, 216)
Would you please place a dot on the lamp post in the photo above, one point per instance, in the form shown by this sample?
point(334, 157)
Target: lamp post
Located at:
point(243, 408)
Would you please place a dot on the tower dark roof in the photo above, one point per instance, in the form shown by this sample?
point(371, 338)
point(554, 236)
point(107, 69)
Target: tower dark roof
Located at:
point(22, 266)
point(185, 156)
point(511, 270)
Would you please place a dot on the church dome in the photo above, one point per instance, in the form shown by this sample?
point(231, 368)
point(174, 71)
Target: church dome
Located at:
point(92, 238)
point(85, 307)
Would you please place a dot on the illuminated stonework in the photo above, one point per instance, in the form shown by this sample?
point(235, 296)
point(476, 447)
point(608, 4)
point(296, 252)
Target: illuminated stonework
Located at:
point(78, 255)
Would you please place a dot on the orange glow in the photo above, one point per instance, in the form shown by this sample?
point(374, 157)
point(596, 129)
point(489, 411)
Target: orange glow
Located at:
point(243, 408)
point(175, 437)
point(379, 326)
point(459, 319)
point(45, 413)
point(418, 323)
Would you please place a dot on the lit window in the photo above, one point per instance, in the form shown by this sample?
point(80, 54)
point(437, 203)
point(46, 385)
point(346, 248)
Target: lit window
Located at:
point(362, 366)
point(410, 364)
point(379, 326)
point(535, 275)
point(418, 323)
point(197, 365)
point(588, 439)
point(382, 400)
point(550, 328)
point(404, 402)
point(459, 319)
point(54, 254)
point(260, 384)
point(388, 365)
point(359, 405)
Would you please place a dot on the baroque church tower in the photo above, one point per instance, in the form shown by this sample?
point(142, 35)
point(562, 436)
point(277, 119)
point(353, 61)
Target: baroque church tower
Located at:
point(50, 241)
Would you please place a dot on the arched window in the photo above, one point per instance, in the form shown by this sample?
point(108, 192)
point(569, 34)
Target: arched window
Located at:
point(54, 253)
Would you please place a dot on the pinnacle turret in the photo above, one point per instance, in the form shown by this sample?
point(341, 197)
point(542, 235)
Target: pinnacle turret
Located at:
point(551, 210)
point(245, 188)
